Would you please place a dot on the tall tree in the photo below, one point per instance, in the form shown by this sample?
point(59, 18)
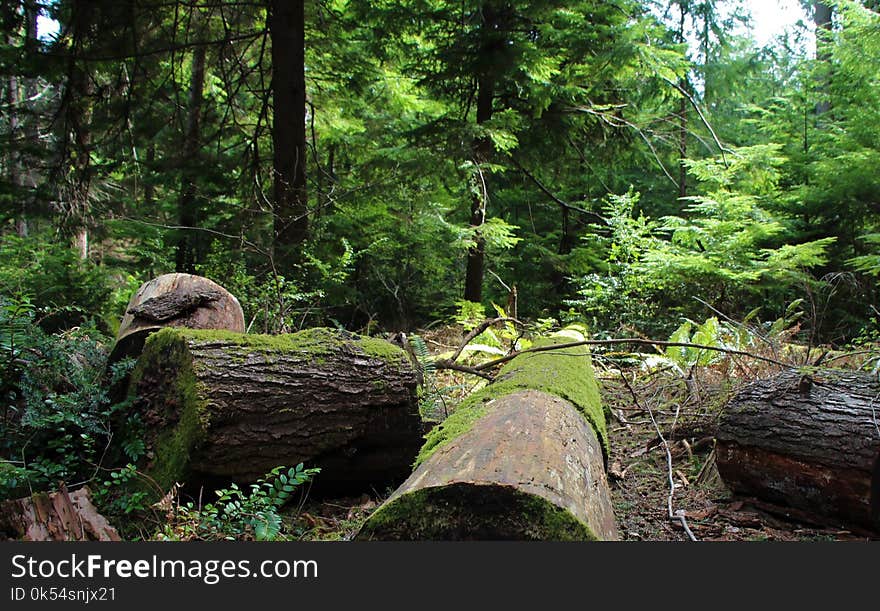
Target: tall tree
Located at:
point(188, 203)
point(492, 42)
point(822, 19)
point(78, 104)
point(291, 221)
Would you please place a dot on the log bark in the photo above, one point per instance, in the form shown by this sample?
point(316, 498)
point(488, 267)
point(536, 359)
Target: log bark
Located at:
point(521, 460)
point(175, 300)
point(809, 442)
point(57, 516)
point(222, 406)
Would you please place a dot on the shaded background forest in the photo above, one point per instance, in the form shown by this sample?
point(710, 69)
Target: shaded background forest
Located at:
point(384, 166)
point(614, 161)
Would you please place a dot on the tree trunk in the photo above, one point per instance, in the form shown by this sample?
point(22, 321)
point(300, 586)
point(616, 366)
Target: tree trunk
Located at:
point(188, 208)
point(682, 143)
point(29, 159)
point(822, 20)
point(79, 106)
point(682, 111)
point(12, 153)
point(221, 406)
point(523, 460)
point(812, 443)
point(482, 150)
point(291, 222)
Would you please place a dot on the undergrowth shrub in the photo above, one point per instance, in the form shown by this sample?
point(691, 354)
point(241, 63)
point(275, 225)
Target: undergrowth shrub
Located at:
point(56, 412)
point(64, 290)
point(240, 514)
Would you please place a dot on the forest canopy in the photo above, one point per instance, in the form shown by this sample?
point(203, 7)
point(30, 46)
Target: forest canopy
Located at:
point(372, 165)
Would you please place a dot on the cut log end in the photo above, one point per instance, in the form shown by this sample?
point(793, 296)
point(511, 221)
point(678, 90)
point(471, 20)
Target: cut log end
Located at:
point(474, 512)
point(528, 467)
point(813, 447)
point(175, 300)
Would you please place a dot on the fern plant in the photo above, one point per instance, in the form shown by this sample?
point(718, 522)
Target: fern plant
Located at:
point(240, 514)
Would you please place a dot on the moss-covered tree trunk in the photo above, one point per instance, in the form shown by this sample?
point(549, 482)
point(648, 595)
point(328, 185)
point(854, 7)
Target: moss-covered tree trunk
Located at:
point(809, 442)
point(524, 459)
point(222, 406)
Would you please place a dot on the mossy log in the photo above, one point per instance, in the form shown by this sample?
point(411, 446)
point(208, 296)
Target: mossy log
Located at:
point(175, 300)
point(524, 459)
point(811, 442)
point(220, 406)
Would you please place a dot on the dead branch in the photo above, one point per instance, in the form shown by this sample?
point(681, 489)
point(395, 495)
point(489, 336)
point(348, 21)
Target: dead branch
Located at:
point(443, 363)
point(474, 333)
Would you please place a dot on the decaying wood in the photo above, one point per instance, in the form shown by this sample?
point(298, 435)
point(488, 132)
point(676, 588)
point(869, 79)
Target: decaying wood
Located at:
point(58, 516)
point(176, 300)
point(807, 441)
point(531, 459)
point(220, 408)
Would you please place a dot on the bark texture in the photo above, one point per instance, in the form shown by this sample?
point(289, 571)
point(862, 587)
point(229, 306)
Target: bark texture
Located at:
point(176, 300)
point(291, 222)
point(530, 469)
point(59, 516)
point(810, 442)
point(222, 406)
point(522, 459)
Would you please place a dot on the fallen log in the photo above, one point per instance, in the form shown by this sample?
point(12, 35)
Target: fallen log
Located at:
point(811, 442)
point(56, 516)
point(521, 460)
point(175, 300)
point(220, 406)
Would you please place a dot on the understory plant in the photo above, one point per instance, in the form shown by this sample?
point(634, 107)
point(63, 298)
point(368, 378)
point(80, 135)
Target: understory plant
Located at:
point(237, 513)
point(56, 411)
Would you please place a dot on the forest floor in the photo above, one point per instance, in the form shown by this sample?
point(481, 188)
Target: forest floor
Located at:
point(662, 437)
point(641, 479)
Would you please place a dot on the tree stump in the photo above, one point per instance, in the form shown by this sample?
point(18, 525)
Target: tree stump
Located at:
point(220, 406)
point(175, 300)
point(522, 460)
point(808, 442)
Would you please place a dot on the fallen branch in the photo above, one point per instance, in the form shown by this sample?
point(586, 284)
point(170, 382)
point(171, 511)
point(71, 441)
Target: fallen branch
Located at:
point(475, 332)
point(446, 363)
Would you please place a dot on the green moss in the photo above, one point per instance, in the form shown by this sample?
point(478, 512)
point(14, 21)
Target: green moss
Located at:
point(458, 423)
point(464, 511)
point(178, 401)
point(566, 373)
point(381, 349)
point(318, 342)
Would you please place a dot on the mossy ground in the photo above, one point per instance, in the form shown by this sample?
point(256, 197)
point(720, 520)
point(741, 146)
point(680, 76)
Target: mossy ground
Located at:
point(566, 373)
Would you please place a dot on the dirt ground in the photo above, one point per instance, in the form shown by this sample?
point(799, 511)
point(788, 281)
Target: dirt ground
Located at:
point(643, 466)
point(639, 475)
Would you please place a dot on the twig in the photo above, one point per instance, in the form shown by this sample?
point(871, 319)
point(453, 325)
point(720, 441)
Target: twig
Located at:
point(475, 332)
point(703, 119)
point(628, 340)
point(562, 203)
point(447, 364)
